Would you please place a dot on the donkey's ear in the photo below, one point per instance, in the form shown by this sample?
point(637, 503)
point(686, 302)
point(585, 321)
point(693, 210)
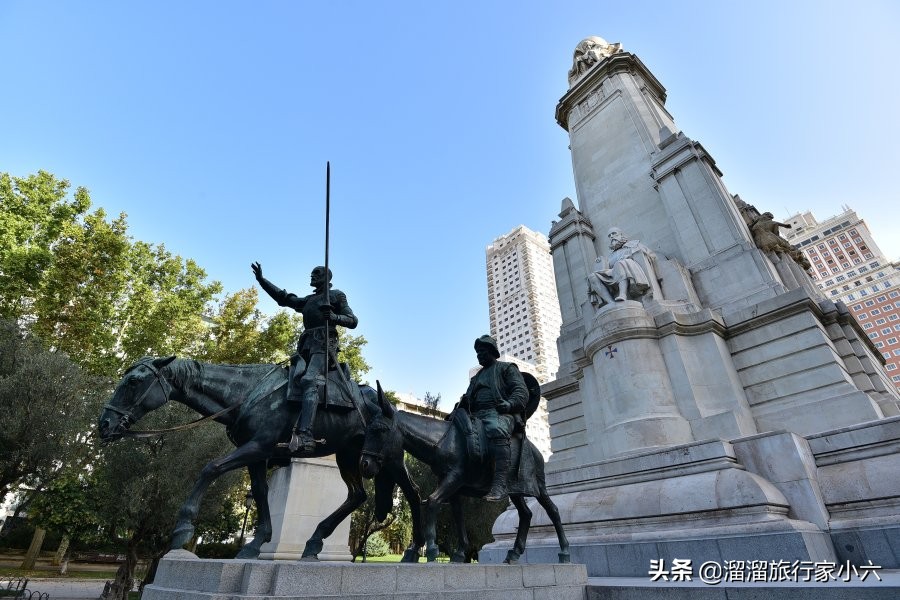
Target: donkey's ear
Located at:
point(159, 363)
point(387, 409)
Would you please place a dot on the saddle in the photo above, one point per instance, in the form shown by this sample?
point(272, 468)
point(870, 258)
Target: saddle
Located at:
point(343, 392)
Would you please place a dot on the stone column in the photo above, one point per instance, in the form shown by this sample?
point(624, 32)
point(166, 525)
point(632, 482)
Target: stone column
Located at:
point(300, 496)
point(635, 408)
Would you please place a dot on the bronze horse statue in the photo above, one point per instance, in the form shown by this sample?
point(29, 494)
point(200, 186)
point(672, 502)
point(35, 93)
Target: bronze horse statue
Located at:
point(442, 445)
point(249, 400)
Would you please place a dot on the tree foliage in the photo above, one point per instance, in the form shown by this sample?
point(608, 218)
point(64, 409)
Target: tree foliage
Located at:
point(47, 404)
point(69, 506)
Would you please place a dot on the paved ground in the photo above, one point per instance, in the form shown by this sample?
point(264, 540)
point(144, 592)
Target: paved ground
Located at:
point(67, 589)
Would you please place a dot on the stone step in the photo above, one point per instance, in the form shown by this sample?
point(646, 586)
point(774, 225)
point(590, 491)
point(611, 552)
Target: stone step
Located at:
point(198, 579)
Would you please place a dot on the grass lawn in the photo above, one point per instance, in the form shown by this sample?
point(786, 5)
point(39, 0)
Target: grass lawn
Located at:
point(395, 558)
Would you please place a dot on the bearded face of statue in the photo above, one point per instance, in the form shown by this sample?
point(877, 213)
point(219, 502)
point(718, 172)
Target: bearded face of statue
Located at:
point(617, 239)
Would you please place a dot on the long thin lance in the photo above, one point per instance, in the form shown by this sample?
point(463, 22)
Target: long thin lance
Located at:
point(327, 280)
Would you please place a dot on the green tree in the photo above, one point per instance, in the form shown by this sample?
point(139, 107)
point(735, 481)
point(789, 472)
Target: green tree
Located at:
point(68, 506)
point(47, 407)
point(351, 353)
point(163, 310)
point(34, 212)
point(77, 307)
point(431, 403)
point(241, 334)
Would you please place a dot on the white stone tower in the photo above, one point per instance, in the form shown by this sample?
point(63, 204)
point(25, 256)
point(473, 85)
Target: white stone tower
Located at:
point(710, 404)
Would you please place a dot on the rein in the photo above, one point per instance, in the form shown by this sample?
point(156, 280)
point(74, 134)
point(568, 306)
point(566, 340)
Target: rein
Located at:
point(196, 423)
point(126, 416)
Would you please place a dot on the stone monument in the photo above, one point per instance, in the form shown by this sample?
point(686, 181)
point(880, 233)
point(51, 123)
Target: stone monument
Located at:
point(710, 403)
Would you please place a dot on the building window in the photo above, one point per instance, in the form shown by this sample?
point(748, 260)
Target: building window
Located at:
point(870, 303)
point(892, 341)
point(879, 344)
point(886, 331)
point(893, 317)
point(894, 294)
point(896, 377)
point(880, 321)
point(875, 311)
point(891, 367)
point(867, 326)
point(873, 336)
point(857, 307)
point(897, 352)
point(863, 316)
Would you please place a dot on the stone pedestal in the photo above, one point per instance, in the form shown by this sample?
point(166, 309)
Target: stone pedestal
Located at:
point(252, 579)
point(300, 496)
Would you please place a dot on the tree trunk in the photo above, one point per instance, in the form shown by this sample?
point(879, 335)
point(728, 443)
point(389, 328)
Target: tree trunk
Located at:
point(61, 551)
point(34, 549)
point(120, 587)
point(151, 572)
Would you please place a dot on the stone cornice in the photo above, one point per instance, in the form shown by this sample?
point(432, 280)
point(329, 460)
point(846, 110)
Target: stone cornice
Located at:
point(621, 62)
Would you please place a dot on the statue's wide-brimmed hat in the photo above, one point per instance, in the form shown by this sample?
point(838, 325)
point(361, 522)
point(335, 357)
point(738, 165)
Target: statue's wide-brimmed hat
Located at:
point(490, 342)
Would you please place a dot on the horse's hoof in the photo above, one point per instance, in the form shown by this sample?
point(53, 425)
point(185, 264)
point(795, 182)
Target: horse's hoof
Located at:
point(248, 553)
point(309, 558)
point(410, 556)
point(564, 558)
point(431, 555)
point(458, 557)
point(512, 558)
point(312, 549)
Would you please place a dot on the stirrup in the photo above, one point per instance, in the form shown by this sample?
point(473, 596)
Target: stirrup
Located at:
point(304, 440)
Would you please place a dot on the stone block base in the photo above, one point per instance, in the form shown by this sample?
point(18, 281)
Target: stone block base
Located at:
point(642, 589)
point(197, 579)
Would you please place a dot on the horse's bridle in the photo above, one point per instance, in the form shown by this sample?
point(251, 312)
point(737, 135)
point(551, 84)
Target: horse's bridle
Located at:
point(127, 416)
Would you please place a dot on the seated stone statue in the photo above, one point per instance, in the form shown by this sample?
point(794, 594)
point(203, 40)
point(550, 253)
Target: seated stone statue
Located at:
point(628, 273)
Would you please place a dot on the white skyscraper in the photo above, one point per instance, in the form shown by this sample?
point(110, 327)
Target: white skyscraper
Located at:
point(524, 312)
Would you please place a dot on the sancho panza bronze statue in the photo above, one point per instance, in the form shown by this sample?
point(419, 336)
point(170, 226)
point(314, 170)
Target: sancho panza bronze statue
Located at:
point(495, 395)
point(311, 363)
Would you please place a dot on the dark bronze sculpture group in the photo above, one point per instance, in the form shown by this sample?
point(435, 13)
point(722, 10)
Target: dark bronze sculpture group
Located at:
point(312, 409)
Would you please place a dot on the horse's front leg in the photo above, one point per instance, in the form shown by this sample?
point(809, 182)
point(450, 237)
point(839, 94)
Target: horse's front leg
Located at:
point(553, 513)
point(247, 454)
point(259, 487)
point(445, 490)
point(518, 549)
point(348, 465)
point(462, 537)
point(411, 492)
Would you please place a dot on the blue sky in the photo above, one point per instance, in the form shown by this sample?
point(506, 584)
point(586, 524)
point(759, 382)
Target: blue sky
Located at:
point(209, 124)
